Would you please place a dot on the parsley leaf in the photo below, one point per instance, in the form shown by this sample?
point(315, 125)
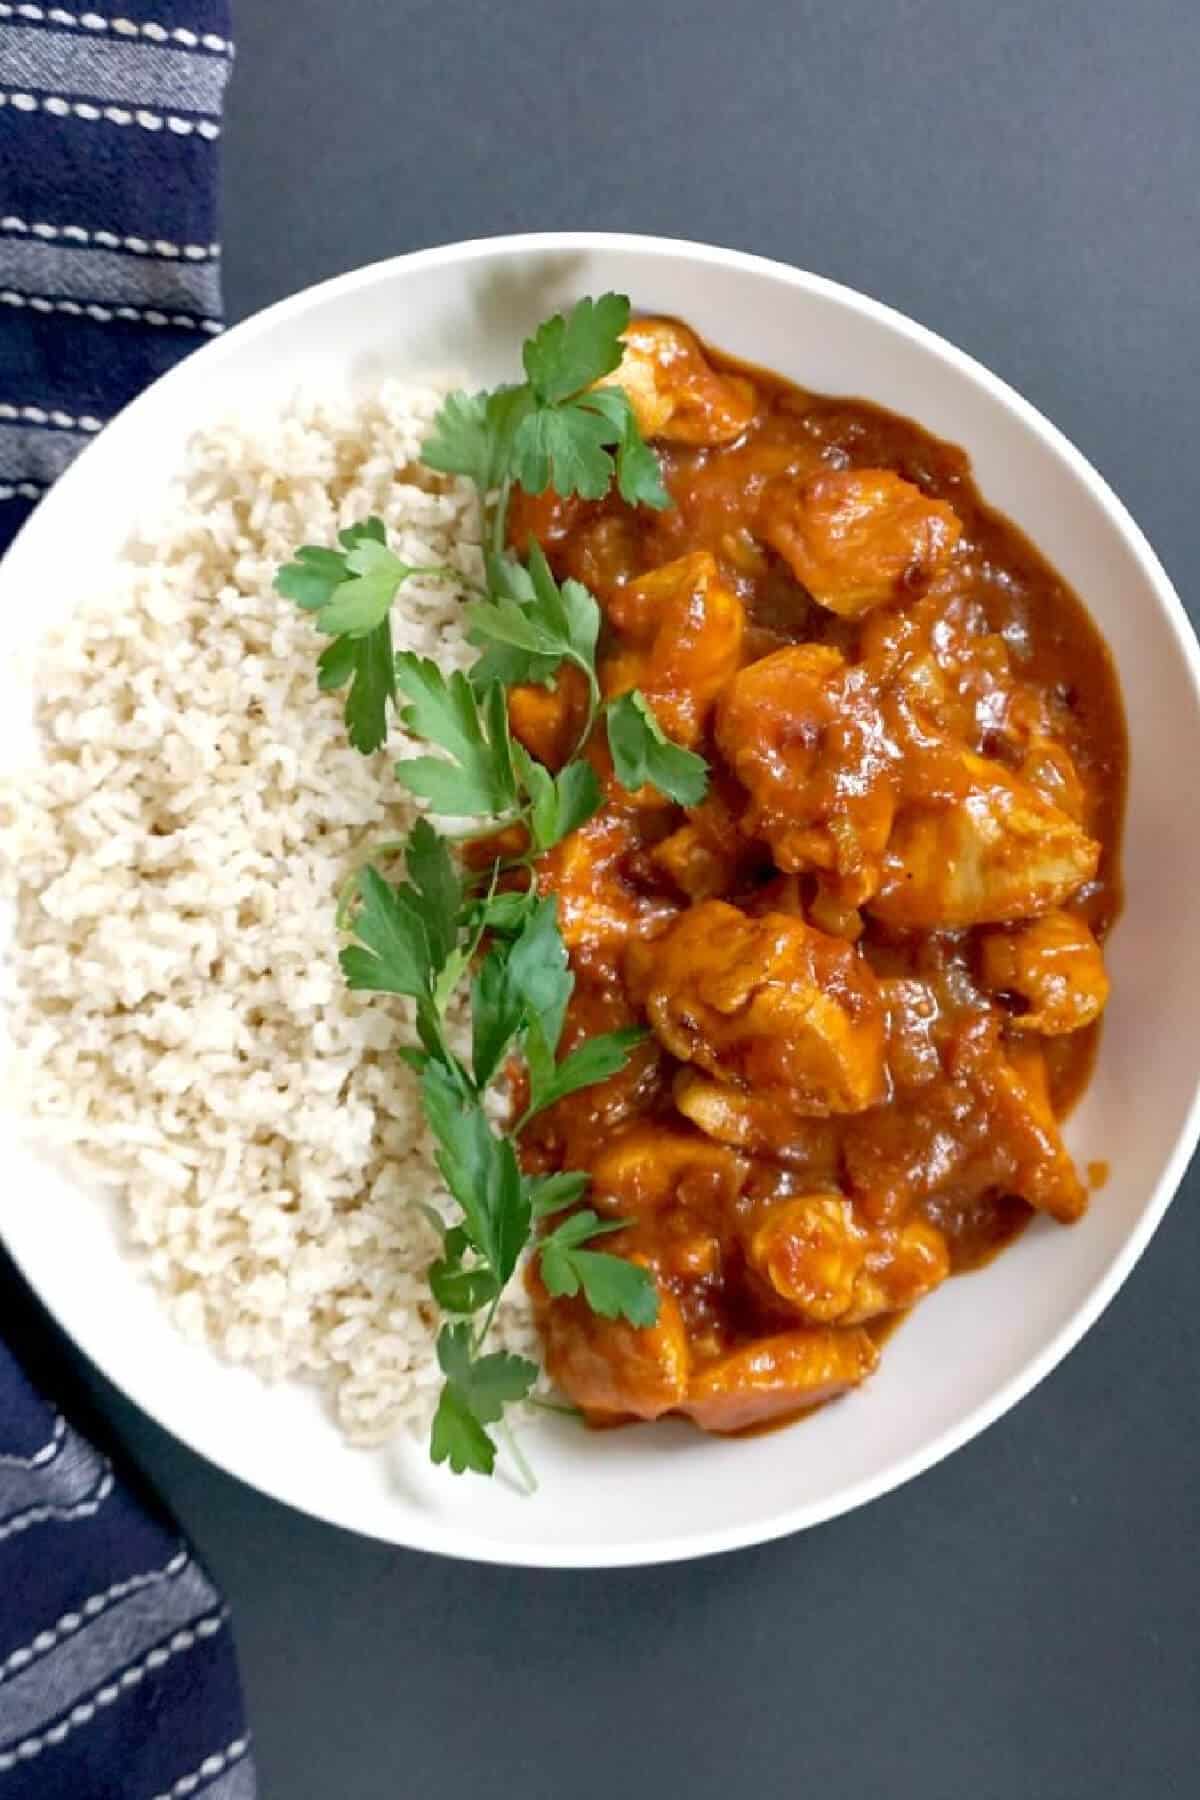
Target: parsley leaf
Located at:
point(366, 663)
point(408, 935)
point(612, 1286)
point(510, 667)
point(558, 803)
point(359, 606)
point(373, 685)
point(312, 576)
point(455, 1287)
point(436, 889)
point(558, 430)
point(568, 353)
point(563, 447)
point(509, 585)
point(639, 478)
point(393, 954)
point(490, 1381)
point(538, 972)
point(642, 752)
point(480, 1170)
point(505, 912)
point(337, 663)
point(595, 1059)
point(479, 779)
point(457, 1437)
point(580, 1228)
point(367, 531)
point(569, 613)
point(578, 447)
point(476, 1391)
point(349, 592)
point(497, 1014)
point(534, 617)
point(539, 1058)
point(525, 985)
point(461, 443)
point(472, 435)
point(550, 1193)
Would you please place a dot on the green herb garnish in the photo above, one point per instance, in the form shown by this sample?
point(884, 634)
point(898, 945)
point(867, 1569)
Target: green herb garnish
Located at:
point(642, 752)
point(439, 929)
point(350, 593)
point(556, 430)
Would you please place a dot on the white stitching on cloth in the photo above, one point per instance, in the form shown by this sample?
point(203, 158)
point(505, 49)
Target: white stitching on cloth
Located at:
point(104, 315)
point(87, 1611)
point(38, 1515)
point(211, 1766)
point(90, 21)
point(47, 1451)
point(108, 240)
point(60, 107)
point(93, 1657)
point(113, 70)
point(39, 415)
point(86, 1710)
point(23, 490)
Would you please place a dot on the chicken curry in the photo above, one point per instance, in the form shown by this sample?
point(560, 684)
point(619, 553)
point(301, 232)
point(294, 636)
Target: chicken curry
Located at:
point(870, 961)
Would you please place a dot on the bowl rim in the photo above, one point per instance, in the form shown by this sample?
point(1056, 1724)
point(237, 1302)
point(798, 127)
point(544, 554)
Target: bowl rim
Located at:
point(451, 1538)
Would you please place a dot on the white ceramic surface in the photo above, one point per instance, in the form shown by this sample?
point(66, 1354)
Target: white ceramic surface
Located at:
point(666, 1492)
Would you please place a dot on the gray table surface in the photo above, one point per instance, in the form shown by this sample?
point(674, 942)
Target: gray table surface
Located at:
point(1024, 1620)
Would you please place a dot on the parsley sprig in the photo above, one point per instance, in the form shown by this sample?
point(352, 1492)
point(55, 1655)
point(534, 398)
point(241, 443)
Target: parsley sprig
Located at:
point(420, 939)
point(557, 429)
point(349, 593)
point(441, 930)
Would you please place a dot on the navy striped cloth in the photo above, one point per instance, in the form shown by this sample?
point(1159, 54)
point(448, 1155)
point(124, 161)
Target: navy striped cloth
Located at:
point(110, 130)
point(118, 1679)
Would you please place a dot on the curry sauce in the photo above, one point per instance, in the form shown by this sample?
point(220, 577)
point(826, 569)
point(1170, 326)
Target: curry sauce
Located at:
point(869, 961)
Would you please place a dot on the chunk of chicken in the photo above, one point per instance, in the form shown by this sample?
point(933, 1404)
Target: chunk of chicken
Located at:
point(694, 864)
point(1055, 965)
point(913, 1018)
point(987, 1126)
point(774, 1376)
point(813, 1253)
point(612, 1369)
point(598, 903)
point(761, 1123)
point(809, 1250)
point(675, 392)
point(649, 1166)
point(901, 1268)
point(705, 856)
point(997, 852)
point(688, 1252)
point(1023, 1133)
point(802, 731)
point(859, 538)
point(682, 633)
point(1047, 766)
point(547, 519)
point(549, 720)
point(943, 672)
point(765, 1004)
point(896, 1156)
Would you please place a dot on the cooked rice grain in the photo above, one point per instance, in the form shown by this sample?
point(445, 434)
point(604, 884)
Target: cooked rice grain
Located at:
point(178, 1015)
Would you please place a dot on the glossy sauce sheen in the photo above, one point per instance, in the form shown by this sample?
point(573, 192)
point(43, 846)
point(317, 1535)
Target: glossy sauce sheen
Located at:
point(838, 1104)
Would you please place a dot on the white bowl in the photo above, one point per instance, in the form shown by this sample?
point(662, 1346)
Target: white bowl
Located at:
point(659, 1493)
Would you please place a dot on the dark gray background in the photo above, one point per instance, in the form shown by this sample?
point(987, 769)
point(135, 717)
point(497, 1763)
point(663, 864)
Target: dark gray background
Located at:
point(1024, 1621)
